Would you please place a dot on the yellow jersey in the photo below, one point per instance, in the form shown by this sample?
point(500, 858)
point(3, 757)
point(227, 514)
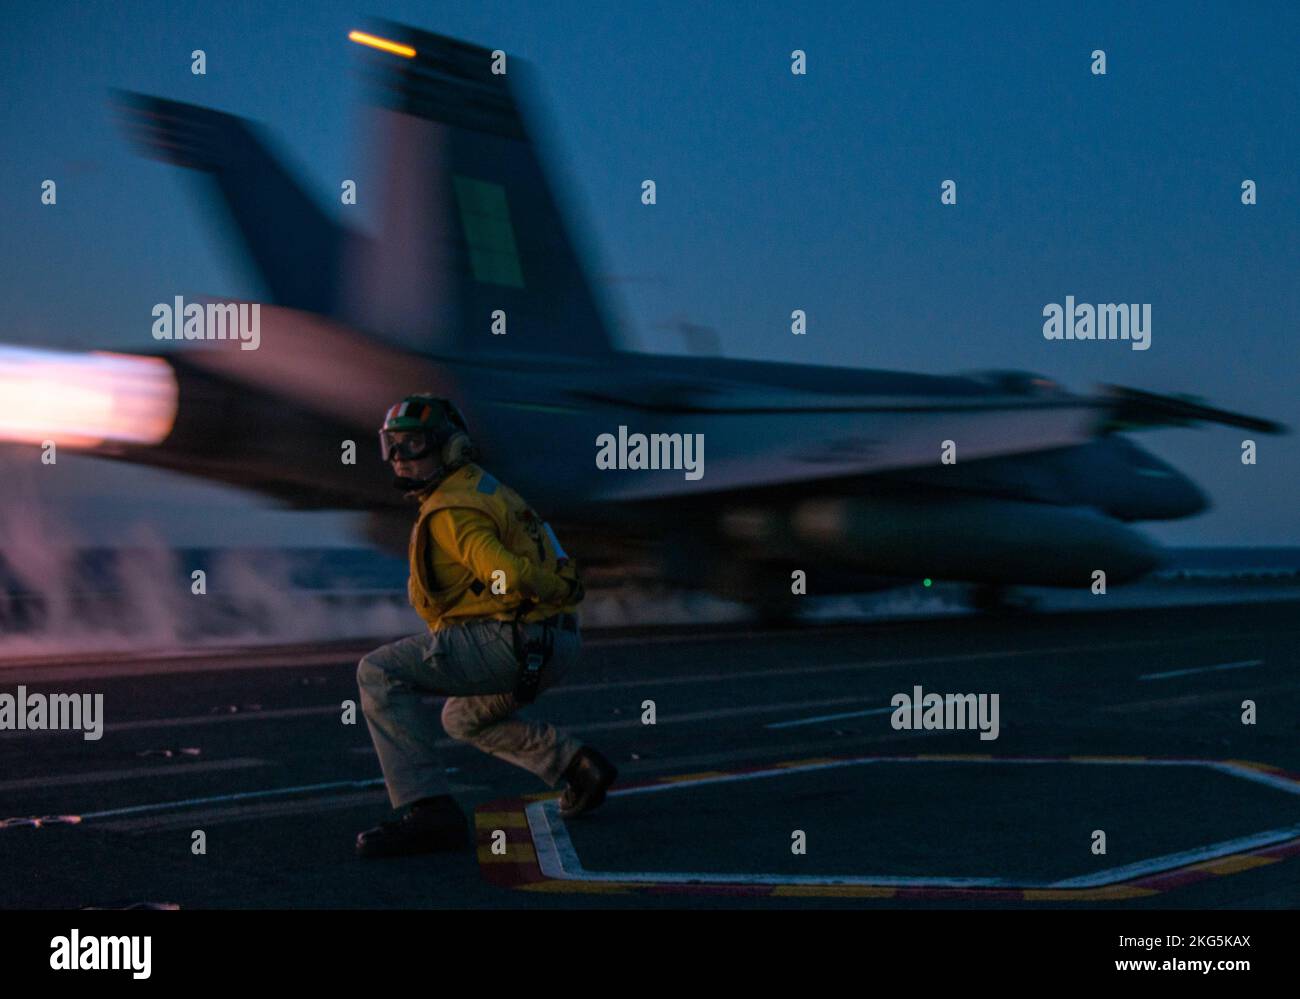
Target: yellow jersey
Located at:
point(479, 551)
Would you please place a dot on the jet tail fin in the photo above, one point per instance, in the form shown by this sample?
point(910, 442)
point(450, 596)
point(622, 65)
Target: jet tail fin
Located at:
point(470, 224)
point(294, 245)
point(1134, 409)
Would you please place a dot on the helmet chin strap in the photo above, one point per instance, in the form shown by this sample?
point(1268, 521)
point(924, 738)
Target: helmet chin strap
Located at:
point(414, 486)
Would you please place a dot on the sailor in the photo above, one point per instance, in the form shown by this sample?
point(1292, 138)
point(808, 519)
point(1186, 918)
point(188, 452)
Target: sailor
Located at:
point(499, 595)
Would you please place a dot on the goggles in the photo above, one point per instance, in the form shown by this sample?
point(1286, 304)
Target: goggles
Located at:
point(408, 445)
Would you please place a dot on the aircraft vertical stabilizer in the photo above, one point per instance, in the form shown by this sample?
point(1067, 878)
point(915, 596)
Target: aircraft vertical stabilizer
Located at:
point(469, 224)
point(294, 245)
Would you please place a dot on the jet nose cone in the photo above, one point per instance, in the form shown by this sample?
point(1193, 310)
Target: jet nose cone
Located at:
point(1180, 497)
point(1151, 489)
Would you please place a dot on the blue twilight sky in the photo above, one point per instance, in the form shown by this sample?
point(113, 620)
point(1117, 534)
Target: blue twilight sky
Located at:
point(775, 192)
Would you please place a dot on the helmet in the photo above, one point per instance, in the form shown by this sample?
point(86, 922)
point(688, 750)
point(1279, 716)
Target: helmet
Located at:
point(428, 425)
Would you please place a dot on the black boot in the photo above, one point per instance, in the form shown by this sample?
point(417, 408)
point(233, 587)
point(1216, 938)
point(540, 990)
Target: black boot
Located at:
point(589, 777)
point(431, 825)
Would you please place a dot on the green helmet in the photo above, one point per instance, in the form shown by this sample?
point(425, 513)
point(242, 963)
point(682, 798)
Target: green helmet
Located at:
point(427, 425)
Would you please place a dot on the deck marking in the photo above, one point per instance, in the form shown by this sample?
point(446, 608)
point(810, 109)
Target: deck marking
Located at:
point(179, 769)
point(1201, 669)
point(1184, 858)
point(162, 806)
point(823, 718)
point(557, 863)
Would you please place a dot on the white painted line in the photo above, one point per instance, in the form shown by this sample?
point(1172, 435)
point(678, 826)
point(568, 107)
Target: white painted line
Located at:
point(1232, 769)
point(216, 799)
point(1259, 777)
point(551, 844)
point(145, 724)
point(830, 745)
point(181, 768)
point(58, 670)
point(1201, 669)
point(849, 666)
point(752, 775)
point(162, 806)
point(824, 718)
point(713, 713)
point(558, 859)
point(1191, 700)
point(555, 693)
point(220, 717)
point(1172, 860)
point(243, 813)
point(50, 669)
point(610, 726)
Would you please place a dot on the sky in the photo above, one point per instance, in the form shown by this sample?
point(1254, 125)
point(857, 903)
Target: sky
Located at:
point(775, 192)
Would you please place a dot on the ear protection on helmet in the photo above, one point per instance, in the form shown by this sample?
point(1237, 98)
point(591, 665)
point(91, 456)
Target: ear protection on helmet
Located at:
point(456, 449)
point(441, 428)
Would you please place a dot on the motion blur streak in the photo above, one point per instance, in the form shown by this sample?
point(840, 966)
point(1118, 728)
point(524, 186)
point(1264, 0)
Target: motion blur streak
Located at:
point(82, 400)
point(383, 44)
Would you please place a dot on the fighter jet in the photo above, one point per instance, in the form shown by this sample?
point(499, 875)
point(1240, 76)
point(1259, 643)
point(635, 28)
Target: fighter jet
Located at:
point(702, 472)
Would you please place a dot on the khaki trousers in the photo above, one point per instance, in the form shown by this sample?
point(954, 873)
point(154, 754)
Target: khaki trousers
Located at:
point(474, 666)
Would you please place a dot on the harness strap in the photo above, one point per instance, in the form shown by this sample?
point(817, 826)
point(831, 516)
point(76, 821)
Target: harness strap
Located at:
point(531, 654)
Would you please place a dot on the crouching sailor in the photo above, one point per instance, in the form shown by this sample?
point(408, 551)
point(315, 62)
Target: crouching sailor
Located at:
point(499, 595)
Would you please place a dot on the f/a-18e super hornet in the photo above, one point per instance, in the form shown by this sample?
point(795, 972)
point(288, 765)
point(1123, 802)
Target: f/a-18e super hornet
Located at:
point(834, 471)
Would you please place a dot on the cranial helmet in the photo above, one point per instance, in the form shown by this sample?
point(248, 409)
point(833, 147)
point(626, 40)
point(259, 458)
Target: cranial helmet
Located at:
point(427, 426)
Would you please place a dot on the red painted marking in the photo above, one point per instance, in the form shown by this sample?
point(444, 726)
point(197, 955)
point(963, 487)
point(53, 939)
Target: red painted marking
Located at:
point(1172, 879)
point(512, 875)
point(1288, 849)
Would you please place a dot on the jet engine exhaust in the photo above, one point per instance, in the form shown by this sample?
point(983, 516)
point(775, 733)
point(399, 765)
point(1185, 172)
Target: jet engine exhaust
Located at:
point(84, 400)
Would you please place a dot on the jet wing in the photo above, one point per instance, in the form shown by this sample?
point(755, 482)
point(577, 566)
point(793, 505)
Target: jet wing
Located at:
point(755, 438)
point(1133, 409)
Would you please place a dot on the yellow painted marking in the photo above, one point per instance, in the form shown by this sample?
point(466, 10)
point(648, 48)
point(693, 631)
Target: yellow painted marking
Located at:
point(501, 820)
point(841, 891)
point(1109, 892)
point(682, 778)
point(1231, 865)
point(516, 853)
point(1252, 765)
point(523, 853)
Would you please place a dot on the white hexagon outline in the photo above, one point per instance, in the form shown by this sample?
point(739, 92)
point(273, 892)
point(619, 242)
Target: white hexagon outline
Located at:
point(558, 859)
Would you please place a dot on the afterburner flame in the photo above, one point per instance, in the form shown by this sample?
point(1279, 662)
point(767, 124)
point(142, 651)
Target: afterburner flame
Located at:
point(82, 400)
